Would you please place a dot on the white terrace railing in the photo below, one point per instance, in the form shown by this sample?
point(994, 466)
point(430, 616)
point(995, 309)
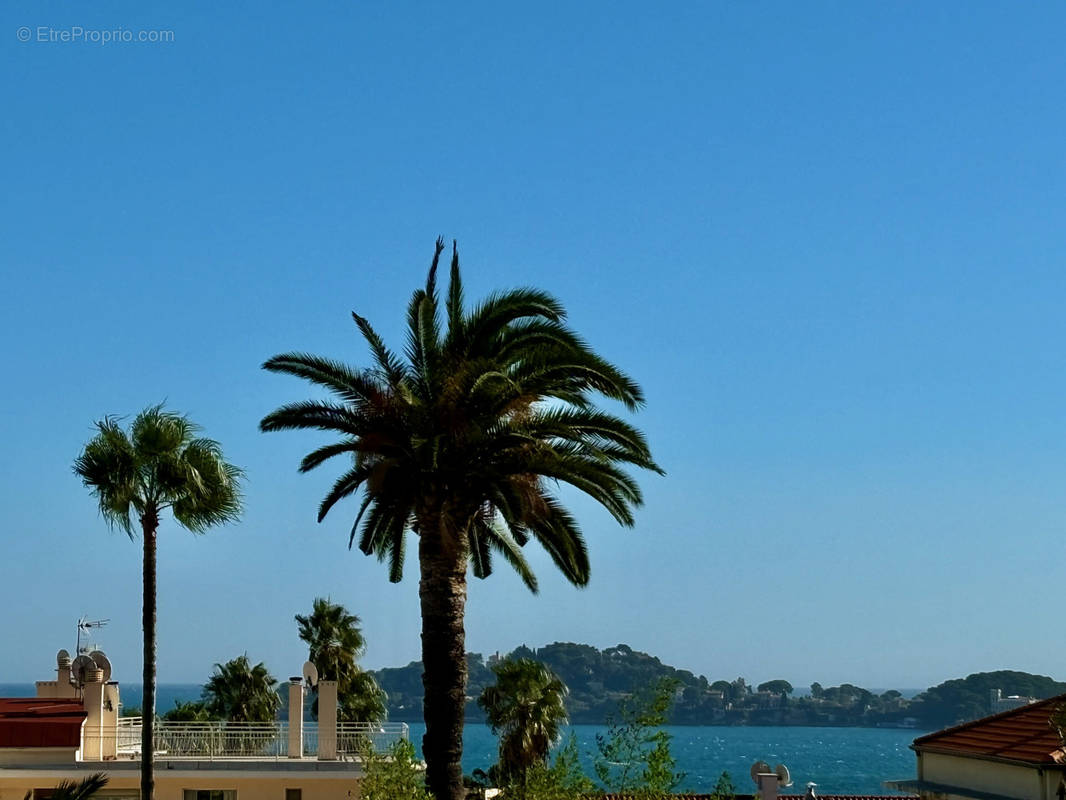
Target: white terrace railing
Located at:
point(267, 740)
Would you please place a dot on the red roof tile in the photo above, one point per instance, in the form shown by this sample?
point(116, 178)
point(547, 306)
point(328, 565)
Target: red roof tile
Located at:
point(1020, 734)
point(36, 722)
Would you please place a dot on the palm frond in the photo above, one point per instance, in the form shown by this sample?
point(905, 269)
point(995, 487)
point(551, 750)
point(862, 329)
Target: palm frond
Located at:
point(355, 386)
point(500, 309)
point(322, 454)
point(316, 415)
point(345, 486)
point(390, 365)
point(84, 789)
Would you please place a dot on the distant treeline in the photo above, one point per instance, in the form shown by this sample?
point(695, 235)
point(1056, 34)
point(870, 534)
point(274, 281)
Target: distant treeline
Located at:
point(598, 679)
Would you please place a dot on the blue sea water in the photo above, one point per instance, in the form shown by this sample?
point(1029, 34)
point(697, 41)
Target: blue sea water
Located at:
point(839, 760)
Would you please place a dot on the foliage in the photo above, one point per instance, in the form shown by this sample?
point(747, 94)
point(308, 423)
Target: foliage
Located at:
point(194, 711)
point(634, 755)
point(462, 439)
point(335, 642)
point(596, 678)
point(525, 708)
point(778, 686)
point(724, 788)
point(160, 464)
point(84, 789)
point(501, 396)
point(967, 698)
point(393, 775)
point(562, 780)
point(240, 692)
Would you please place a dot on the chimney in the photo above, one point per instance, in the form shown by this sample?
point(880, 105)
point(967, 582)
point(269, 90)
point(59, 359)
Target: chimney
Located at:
point(296, 717)
point(62, 686)
point(63, 672)
point(767, 785)
point(327, 720)
point(92, 738)
point(109, 720)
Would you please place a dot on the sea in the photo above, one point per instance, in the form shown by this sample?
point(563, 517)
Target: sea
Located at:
point(838, 760)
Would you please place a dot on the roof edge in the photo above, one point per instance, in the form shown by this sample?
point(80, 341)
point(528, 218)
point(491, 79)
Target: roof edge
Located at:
point(919, 743)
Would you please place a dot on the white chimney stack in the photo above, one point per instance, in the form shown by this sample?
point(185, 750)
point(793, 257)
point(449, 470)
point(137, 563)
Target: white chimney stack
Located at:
point(296, 717)
point(327, 720)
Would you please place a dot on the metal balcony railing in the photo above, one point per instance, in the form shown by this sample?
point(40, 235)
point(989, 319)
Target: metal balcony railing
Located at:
point(270, 740)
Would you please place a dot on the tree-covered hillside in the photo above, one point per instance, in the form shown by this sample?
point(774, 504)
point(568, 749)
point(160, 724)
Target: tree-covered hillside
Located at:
point(599, 679)
point(968, 698)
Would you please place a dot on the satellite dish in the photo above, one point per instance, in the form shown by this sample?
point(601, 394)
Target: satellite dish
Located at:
point(757, 768)
point(102, 662)
point(783, 776)
point(310, 674)
point(79, 669)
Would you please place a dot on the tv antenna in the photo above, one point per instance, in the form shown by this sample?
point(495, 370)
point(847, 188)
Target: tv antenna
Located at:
point(84, 626)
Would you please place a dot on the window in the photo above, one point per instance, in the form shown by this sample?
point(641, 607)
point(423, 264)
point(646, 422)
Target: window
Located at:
point(209, 794)
point(294, 794)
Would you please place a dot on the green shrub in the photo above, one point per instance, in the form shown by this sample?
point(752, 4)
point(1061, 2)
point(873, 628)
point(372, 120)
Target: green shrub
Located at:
point(393, 775)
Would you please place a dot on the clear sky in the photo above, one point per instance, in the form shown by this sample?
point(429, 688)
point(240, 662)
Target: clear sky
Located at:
point(827, 238)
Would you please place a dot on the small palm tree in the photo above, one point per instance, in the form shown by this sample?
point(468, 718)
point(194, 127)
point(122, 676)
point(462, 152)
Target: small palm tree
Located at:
point(77, 790)
point(240, 692)
point(160, 464)
point(526, 709)
point(335, 642)
point(462, 441)
point(195, 711)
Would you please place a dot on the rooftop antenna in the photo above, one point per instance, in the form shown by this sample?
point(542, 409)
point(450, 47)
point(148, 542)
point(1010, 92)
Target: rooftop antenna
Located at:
point(84, 626)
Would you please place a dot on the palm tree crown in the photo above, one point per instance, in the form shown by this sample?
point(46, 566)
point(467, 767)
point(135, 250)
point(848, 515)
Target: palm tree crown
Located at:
point(334, 642)
point(240, 692)
point(526, 708)
point(460, 440)
point(160, 464)
point(491, 405)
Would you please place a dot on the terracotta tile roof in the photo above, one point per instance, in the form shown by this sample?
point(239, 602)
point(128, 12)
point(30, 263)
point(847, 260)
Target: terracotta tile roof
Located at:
point(36, 722)
point(1020, 734)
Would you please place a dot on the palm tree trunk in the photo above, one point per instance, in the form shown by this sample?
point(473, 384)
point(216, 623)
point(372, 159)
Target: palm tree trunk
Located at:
point(150, 524)
point(442, 592)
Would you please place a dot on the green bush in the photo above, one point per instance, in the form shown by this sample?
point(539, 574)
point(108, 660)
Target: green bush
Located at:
point(393, 775)
point(634, 757)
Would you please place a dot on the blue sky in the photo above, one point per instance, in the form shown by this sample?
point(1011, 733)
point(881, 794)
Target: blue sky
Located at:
point(827, 239)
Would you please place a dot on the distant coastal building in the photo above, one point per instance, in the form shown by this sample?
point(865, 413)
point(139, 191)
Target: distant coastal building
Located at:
point(72, 728)
point(997, 703)
point(1013, 755)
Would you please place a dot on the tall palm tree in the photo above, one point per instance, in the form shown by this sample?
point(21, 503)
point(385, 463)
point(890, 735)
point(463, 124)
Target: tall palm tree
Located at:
point(526, 707)
point(241, 692)
point(335, 641)
point(160, 464)
point(84, 789)
point(460, 441)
